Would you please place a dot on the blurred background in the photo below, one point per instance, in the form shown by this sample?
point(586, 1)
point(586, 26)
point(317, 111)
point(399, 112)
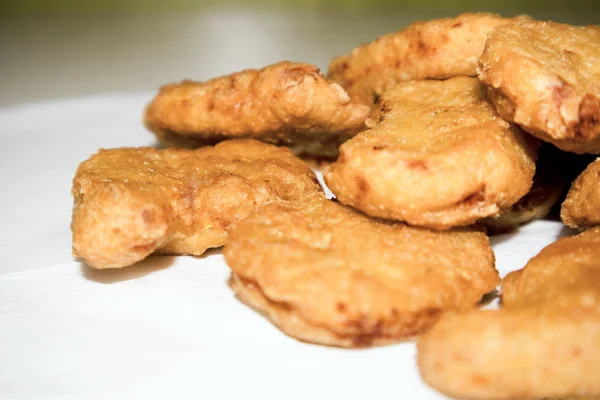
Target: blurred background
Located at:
point(65, 48)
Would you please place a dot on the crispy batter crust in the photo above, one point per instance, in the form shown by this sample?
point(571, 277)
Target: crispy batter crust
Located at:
point(581, 208)
point(132, 202)
point(325, 273)
point(545, 77)
point(286, 103)
point(545, 342)
point(439, 156)
point(437, 49)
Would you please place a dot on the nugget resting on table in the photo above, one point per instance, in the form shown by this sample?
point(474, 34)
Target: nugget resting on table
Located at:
point(286, 103)
point(325, 273)
point(545, 342)
point(581, 208)
point(438, 156)
point(132, 202)
point(436, 49)
point(545, 77)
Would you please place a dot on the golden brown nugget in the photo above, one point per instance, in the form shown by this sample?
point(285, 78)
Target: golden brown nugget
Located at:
point(438, 156)
point(286, 103)
point(524, 354)
point(550, 184)
point(565, 273)
point(437, 49)
point(132, 202)
point(545, 342)
point(327, 274)
point(581, 208)
point(545, 77)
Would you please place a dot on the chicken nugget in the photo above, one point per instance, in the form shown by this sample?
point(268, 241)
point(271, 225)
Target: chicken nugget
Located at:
point(132, 202)
point(436, 49)
point(286, 103)
point(581, 208)
point(524, 354)
point(545, 342)
point(438, 156)
point(545, 77)
point(325, 273)
point(565, 273)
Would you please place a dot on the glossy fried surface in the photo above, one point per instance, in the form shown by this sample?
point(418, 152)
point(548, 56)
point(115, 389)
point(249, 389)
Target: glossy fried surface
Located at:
point(286, 103)
point(436, 49)
point(437, 156)
point(325, 273)
point(581, 208)
point(132, 202)
point(545, 342)
point(545, 76)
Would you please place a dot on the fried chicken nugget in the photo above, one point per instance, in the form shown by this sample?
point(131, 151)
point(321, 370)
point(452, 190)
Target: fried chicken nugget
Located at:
point(439, 156)
point(132, 202)
point(437, 49)
point(581, 208)
point(327, 274)
point(545, 342)
point(286, 103)
point(545, 77)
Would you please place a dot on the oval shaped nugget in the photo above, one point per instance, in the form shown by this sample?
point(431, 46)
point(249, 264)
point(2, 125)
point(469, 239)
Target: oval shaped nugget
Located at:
point(286, 103)
point(438, 156)
point(436, 49)
point(545, 77)
point(544, 343)
point(581, 208)
point(327, 274)
point(132, 202)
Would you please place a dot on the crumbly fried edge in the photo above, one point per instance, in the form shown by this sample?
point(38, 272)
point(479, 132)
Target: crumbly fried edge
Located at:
point(290, 104)
point(549, 89)
point(293, 324)
point(581, 208)
point(436, 49)
point(162, 209)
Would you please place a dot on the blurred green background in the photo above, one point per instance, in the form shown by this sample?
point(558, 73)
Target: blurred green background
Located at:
point(589, 7)
point(65, 48)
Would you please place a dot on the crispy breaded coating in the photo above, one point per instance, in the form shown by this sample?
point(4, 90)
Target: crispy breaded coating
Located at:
point(286, 103)
point(581, 208)
point(438, 156)
point(436, 49)
point(550, 184)
point(545, 342)
point(325, 273)
point(545, 77)
point(132, 202)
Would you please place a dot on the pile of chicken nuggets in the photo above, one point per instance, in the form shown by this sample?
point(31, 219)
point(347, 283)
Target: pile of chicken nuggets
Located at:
point(439, 134)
